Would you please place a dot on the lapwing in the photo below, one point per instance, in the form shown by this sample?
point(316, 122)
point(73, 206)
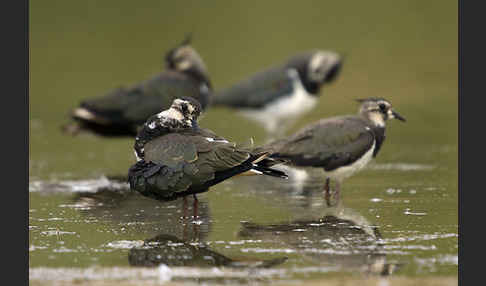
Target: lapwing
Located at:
point(121, 111)
point(277, 96)
point(176, 158)
point(341, 146)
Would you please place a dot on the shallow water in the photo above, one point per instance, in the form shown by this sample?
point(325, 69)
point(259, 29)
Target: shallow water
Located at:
point(398, 217)
point(246, 224)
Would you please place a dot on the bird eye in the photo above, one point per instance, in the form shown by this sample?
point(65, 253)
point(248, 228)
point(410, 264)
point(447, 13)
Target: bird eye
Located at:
point(319, 71)
point(184, 108)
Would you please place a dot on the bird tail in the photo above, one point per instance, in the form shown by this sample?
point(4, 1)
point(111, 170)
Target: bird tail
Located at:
point(261, 164)
point(270, 172)
point(260, 170)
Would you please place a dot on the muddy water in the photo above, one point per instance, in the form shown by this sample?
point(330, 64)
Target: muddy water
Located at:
point(398, 217)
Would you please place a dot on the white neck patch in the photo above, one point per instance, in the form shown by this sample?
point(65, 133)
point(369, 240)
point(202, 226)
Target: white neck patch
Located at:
point(377, 119)
point(316, 60)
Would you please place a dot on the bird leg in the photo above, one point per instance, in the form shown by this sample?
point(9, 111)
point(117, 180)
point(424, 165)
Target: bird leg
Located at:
point(184, 216)
point(195, 226)
point(327, 194)
point(184, 208)
point(195, 206)
point(337, 191)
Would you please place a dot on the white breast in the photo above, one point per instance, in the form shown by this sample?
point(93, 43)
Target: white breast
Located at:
point(285, 108)
point(346, 171)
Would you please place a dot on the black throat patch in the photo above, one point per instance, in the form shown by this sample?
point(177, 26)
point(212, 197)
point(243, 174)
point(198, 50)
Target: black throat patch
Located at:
point(379, 138)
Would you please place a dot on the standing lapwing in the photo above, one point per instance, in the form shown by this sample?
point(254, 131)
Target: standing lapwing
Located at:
point(176, 158)
point(121, 111)
point(340, 145)
point(277, 96)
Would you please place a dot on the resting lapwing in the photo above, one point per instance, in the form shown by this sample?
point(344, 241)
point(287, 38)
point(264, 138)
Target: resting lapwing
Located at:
point(176, 158)
point(279, 95)
point(340, 145)
point(122, 111)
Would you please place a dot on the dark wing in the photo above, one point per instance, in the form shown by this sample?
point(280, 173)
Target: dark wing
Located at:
point(258, 90)
point(174, 163)
point(174, 148)
point(134, 105)
point(329, 143)
point(147, 133)
point(207, 133)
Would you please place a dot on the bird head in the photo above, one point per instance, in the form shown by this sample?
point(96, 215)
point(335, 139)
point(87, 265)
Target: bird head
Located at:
point(316, 68)
point(324, 66)
point(378, 110)
point(188, 108)
point(184, 58)
point(183, 113)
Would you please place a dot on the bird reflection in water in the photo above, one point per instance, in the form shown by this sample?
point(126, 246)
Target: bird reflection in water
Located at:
point(340, 238)
point(182, 226)
point(169, 250)
point(143, 215)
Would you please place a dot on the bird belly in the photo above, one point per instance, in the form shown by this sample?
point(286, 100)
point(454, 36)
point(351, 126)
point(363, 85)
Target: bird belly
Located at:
point(286, 108)
point(344, 172)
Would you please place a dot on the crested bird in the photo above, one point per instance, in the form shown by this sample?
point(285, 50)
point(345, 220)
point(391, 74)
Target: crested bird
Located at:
point(176, 158)
point(340, 145)
point(122, 111)
point(277, 96)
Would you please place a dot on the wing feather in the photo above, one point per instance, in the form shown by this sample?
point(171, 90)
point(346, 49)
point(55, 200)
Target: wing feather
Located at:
point(177, 162)
point(135, 104)
point(258, 90)
point(328, 143)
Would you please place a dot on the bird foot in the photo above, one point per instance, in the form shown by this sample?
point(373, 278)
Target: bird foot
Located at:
point(327, 193)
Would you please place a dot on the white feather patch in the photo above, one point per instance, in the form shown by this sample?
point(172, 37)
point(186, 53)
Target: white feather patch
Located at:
point(256, 172)
point(287, 108)
point(83, 113)
point(344, 172)
point(216, 140)
point(171, 113)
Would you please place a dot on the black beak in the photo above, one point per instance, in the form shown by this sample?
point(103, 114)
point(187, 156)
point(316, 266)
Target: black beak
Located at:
point(398, 116)
point(334, 72)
